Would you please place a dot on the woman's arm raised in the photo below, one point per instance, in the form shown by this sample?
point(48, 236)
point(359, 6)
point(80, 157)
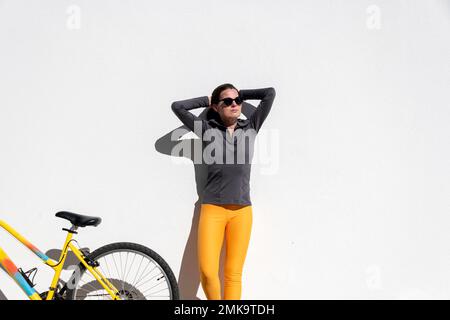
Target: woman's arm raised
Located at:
point(180, 108)
point(266, 95)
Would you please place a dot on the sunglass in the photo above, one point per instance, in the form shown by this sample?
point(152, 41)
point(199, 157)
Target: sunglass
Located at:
point(229, 101)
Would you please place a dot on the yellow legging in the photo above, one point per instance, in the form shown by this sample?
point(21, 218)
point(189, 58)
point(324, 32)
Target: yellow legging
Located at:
point(235, 222)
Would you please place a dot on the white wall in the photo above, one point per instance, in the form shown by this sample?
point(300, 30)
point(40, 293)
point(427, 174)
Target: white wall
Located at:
point(351, 192)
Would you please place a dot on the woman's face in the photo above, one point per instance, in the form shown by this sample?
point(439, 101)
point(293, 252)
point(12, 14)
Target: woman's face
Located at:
point(228, 113)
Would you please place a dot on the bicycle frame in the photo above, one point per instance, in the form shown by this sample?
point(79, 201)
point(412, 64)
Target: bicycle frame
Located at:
point(11, 269)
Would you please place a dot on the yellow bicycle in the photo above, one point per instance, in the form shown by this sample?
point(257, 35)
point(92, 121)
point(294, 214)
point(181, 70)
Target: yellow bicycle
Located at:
point(117, 271)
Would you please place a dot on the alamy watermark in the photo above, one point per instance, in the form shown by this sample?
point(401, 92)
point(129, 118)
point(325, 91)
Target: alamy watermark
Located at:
point(73, 21)
point(373, 21)
point(373, 277)
point(237, 148)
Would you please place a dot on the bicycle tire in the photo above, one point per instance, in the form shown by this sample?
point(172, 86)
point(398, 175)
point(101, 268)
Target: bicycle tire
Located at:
point(124, 247)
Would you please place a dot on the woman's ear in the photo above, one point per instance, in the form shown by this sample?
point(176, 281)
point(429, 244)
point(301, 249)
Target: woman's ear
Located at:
point(214, 107)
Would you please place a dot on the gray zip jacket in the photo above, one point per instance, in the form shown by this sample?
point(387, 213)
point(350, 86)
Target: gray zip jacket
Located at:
point(227, 156)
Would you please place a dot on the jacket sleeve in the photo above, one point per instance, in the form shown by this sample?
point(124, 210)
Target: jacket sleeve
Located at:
point(181, 109)
point(266, 95)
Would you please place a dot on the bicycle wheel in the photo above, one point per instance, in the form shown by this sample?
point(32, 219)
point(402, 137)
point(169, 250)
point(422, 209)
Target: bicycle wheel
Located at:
point(138, 272)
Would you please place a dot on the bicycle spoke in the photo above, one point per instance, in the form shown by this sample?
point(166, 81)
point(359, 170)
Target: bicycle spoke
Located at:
point(146, 275)
point(148, 282)
point(121, 274)
point(139, 268)
point(103, 272)
point(148, 263)
point(132, 263)
point(107, 267)
point(158, 290)
point(115, 264)
point(125, 270)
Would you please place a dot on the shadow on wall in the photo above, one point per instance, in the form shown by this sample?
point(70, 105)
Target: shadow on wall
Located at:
point(189, 277)
point(71, 259)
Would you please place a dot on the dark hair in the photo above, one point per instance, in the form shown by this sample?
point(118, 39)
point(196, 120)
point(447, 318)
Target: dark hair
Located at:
point(215, 97)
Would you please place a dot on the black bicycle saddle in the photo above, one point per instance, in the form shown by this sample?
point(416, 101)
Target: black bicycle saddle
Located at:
point(78, 219)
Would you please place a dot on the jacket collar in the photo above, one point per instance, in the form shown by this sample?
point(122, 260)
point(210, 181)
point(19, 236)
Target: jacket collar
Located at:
point(240, 122)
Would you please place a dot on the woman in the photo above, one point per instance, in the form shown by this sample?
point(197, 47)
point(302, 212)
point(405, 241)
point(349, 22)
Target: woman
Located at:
point(226, 208)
